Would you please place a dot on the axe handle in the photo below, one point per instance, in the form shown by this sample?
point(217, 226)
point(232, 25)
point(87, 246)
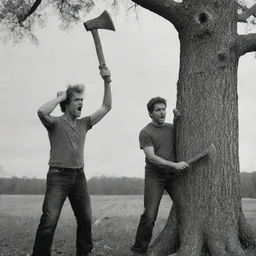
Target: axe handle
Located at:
point(99, 50)
point(197, 157)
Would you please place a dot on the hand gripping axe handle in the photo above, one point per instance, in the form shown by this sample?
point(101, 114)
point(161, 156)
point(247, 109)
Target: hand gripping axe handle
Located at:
point(210, 152)
point(101, 22)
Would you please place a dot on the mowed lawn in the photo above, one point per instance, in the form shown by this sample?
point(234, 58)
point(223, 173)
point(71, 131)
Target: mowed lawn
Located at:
point(115, 221)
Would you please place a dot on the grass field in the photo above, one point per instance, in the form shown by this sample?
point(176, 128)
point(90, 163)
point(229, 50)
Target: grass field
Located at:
point(116, 217)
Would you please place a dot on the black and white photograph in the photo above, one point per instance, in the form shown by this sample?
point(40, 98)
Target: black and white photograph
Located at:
point(128, 128)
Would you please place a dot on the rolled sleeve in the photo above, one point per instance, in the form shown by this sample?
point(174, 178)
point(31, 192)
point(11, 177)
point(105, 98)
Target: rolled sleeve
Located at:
point(145, 139)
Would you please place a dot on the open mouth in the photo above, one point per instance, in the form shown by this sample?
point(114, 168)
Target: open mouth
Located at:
point(79, 108)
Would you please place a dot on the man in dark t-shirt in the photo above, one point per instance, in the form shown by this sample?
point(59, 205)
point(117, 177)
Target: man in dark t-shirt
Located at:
point(66, 177)
point(157, 141)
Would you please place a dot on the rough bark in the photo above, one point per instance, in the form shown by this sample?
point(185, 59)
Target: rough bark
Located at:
point(208, 202)
point(207, 99)
point(246, 43)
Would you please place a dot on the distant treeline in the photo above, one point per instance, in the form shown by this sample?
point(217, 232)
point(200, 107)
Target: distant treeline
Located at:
point(22, 186)
point(248, 184)
point(97, 186)
point(106, 185)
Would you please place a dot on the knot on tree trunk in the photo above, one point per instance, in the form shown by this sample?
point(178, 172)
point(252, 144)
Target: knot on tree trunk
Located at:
point(205, 23)
point(223, 59)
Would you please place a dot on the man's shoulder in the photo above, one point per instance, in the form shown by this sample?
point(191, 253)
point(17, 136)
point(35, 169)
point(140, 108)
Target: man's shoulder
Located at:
point(169, 128)
point(84, 119)
point(51, 125)
point(149, 128)
point(146, 128)
point(85, 122)
point(169, 125)
point(145, 131)
point(59, 120)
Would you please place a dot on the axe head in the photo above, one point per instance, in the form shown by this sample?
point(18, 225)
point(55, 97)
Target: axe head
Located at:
point(103, 21)
point(212, 153)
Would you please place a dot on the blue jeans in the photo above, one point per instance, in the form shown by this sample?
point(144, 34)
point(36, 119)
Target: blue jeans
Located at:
point(156, 181)
point(63, 183)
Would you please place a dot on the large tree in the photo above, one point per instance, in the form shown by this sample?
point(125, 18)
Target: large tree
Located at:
point(207, 216)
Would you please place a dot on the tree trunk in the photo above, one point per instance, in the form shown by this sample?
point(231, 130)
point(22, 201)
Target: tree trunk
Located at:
point(207, 98)
point(207, 214)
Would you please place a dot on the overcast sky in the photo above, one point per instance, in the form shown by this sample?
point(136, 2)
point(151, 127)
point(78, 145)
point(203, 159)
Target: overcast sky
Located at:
point(143, 57)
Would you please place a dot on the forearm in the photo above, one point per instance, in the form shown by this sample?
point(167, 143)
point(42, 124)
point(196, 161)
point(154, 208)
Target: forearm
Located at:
point(48, 107)
point(106, 105)
point(107, 97)
point(160, 161)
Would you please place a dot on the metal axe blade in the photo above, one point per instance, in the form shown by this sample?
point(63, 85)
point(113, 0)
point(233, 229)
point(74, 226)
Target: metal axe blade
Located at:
point(103, 21)
point(210, 152)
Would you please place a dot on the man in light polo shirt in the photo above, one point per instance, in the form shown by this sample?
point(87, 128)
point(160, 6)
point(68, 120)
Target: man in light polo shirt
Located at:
point(157, 141)
point(66, 177)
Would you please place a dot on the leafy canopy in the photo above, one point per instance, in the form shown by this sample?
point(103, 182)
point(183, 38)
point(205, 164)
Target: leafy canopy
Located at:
point(18, 18)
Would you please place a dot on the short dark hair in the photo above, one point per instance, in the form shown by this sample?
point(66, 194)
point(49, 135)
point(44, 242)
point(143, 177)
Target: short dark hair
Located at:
point(71, 90)
point(153, 101)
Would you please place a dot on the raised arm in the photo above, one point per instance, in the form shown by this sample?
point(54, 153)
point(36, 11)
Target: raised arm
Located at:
point(154, 159)
point(45, 110)
point(107, 98)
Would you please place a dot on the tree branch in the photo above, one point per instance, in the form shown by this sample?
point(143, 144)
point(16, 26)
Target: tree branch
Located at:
point(168, 9)
point(246, 43)
point(245, 15)
point(31, 11)
point(242, 7)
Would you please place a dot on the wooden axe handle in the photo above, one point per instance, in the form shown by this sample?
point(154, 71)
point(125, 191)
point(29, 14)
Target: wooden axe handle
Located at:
point(99, 50)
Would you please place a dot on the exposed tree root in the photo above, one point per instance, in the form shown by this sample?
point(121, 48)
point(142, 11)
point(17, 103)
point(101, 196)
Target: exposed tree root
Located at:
point(216, 247)
point(234, 247)
point(250, 252)
point(191, 244)
point(246, 236)
point(196, 242)
point(167, 241)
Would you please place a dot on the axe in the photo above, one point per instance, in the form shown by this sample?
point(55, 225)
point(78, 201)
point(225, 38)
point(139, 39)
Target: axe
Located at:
point(210, 152)
point(101, 22)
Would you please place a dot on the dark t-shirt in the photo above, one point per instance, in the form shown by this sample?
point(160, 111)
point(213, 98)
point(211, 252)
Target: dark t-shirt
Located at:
point(162, 139)
point(67, 142)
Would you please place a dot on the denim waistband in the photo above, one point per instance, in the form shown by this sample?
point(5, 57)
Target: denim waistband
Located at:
point(66, 169)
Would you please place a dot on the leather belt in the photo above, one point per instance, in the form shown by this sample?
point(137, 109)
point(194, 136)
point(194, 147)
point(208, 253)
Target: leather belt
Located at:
point(66, 169)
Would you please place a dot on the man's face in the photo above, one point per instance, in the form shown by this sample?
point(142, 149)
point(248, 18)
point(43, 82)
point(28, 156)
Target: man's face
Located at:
point(159, 113)
point(75, 105)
